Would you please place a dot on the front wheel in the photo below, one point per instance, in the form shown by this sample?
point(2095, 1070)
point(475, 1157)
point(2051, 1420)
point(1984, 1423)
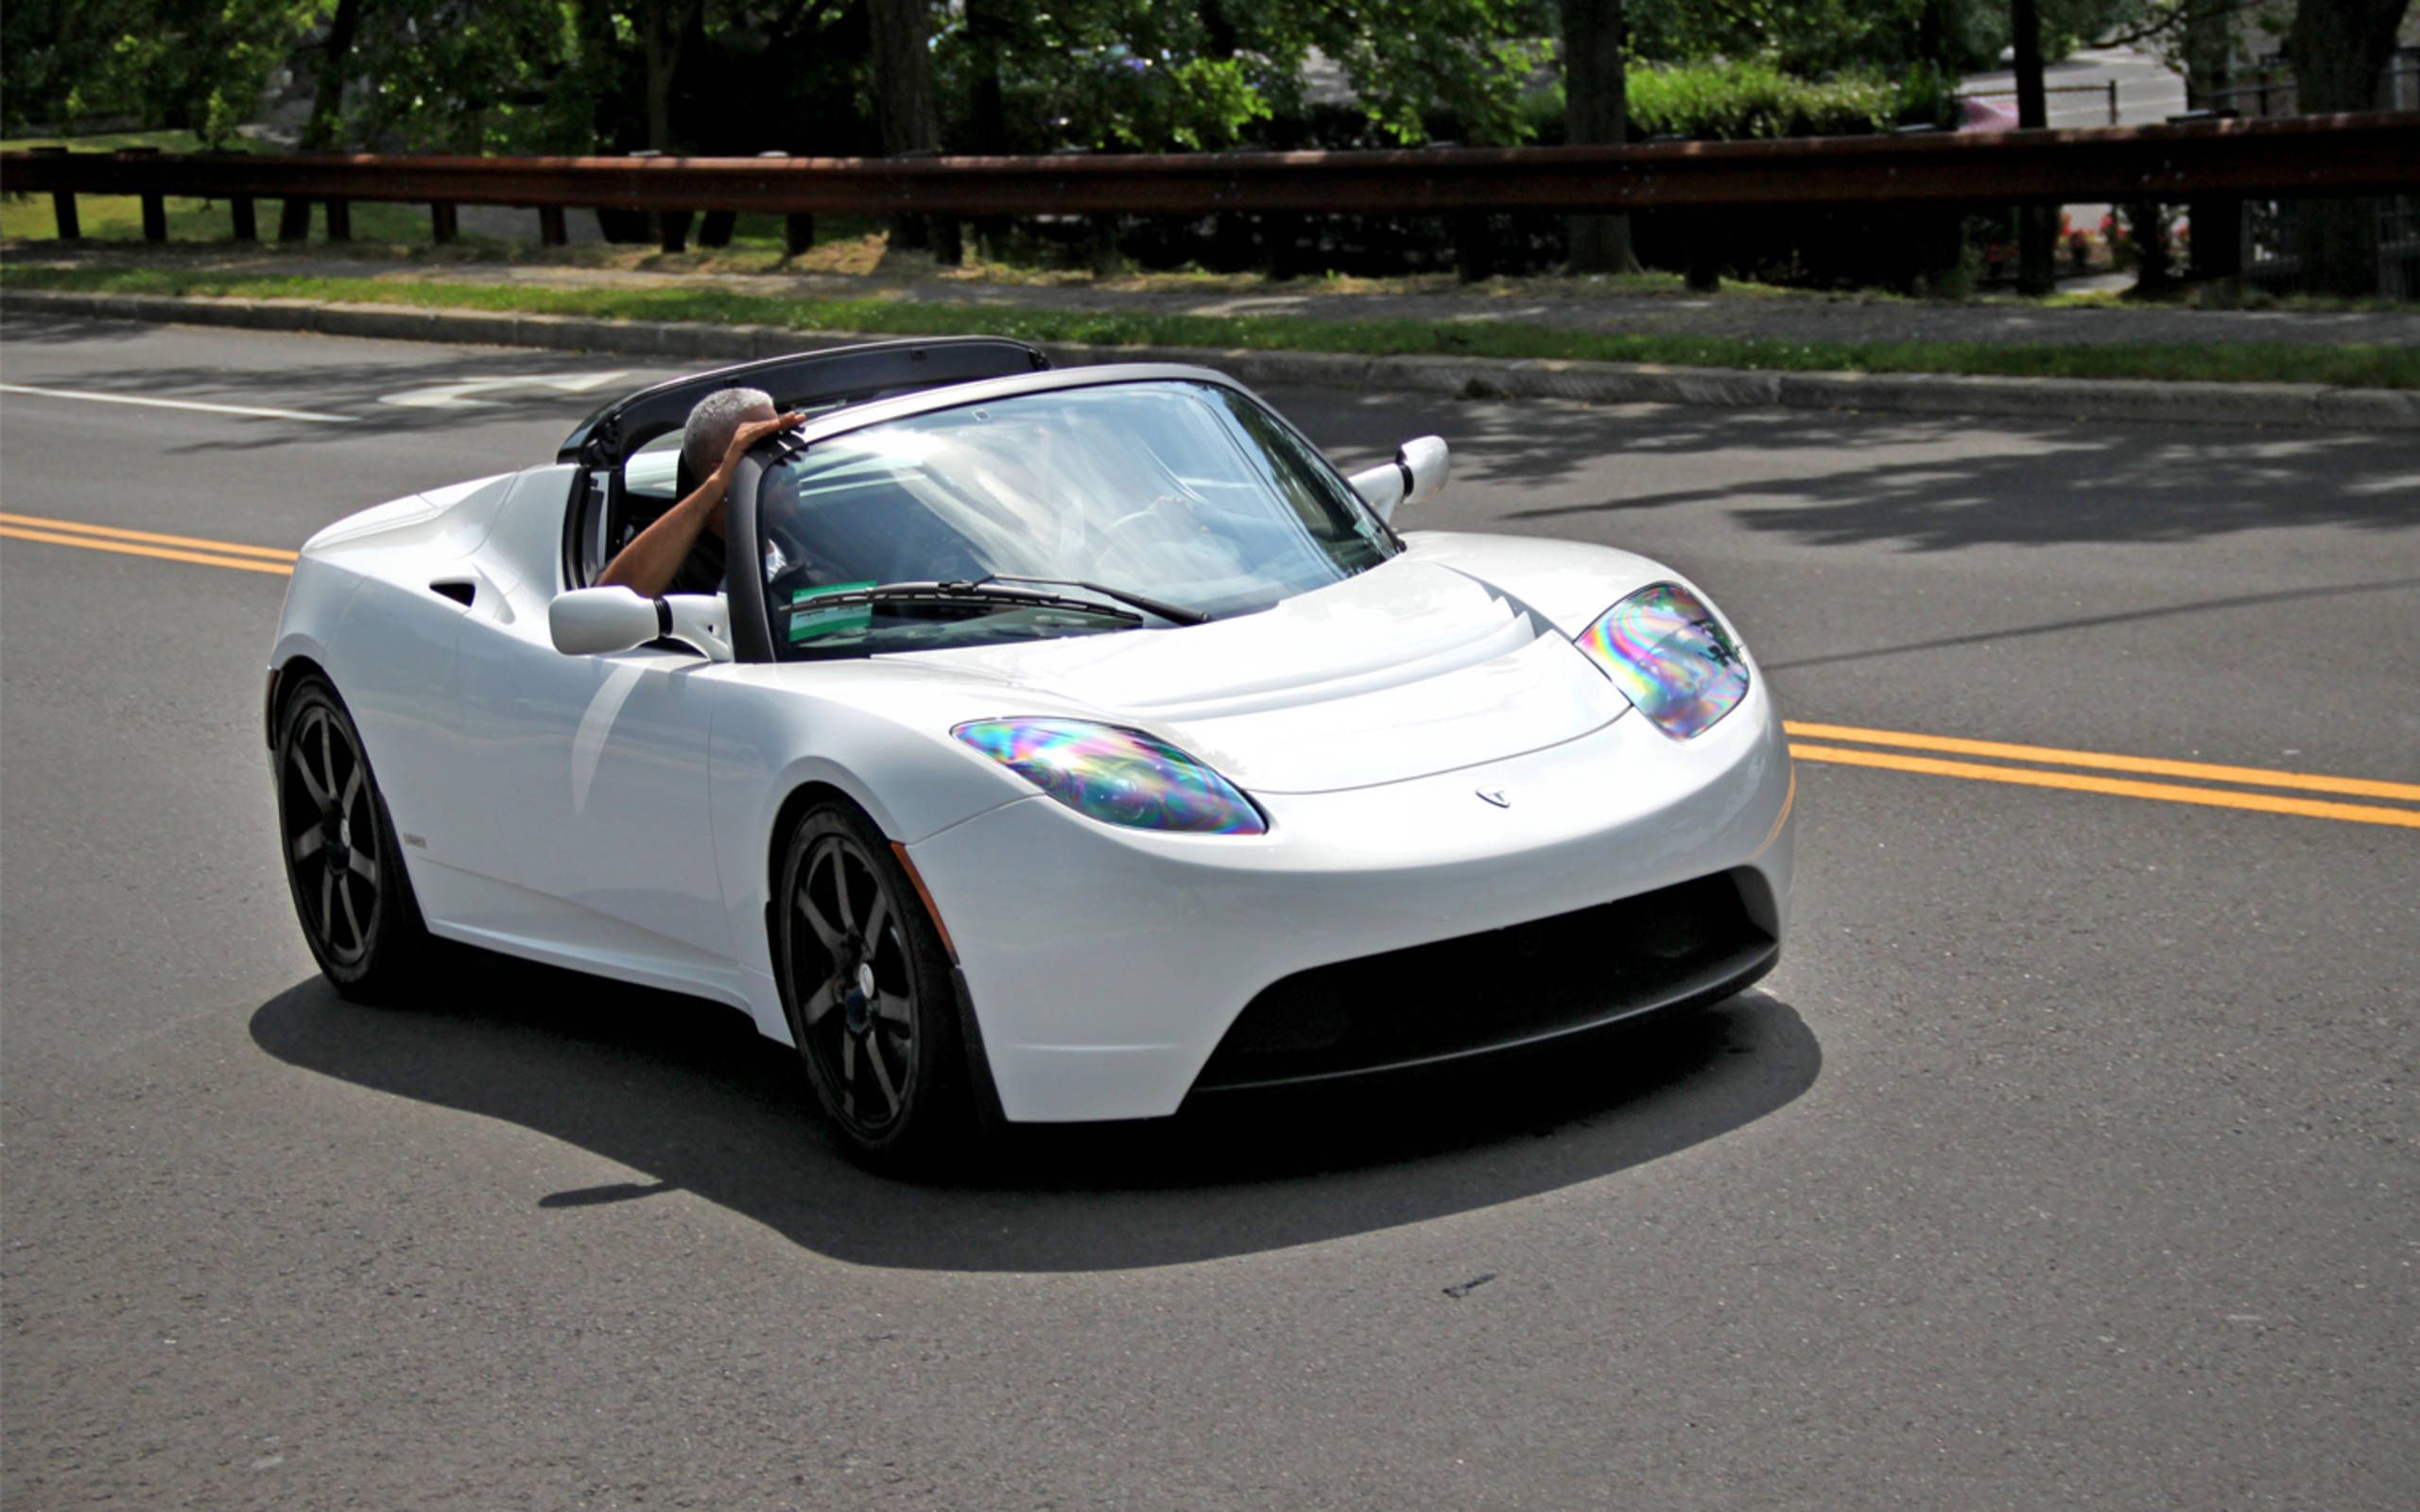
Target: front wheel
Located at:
point(866, 984)
point(351, 893)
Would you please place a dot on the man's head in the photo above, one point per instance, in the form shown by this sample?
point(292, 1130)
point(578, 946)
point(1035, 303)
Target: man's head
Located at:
point(707, 435)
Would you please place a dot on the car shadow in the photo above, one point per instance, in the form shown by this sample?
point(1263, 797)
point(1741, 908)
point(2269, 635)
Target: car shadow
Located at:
point(689, 1097)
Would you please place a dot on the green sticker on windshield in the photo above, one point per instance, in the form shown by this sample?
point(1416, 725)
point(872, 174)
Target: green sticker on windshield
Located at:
point(809, 620)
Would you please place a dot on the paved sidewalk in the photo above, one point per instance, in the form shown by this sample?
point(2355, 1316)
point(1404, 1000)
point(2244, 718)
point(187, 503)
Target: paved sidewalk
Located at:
point(1559, 303)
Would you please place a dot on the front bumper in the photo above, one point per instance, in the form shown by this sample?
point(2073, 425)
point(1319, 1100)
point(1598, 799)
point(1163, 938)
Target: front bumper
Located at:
point(1106, 965)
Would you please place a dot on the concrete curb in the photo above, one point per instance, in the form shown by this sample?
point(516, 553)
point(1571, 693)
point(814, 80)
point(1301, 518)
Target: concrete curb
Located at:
point(2062, 400)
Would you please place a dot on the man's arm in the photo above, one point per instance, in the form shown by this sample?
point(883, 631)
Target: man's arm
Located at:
point(648, 564)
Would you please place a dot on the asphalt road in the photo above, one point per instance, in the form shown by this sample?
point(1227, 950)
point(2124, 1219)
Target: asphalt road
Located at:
point(2068, 1159)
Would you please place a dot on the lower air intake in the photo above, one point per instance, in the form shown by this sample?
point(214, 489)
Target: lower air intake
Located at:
point(1496, 991)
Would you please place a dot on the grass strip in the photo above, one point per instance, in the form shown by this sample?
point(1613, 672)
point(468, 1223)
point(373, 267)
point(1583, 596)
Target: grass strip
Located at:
point(2363, 365)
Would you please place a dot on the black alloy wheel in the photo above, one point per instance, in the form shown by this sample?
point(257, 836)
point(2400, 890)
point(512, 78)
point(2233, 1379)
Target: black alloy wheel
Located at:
point(867, 985)
point(350, 890)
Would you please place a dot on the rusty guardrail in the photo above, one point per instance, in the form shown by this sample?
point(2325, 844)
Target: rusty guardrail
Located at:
point(2298, 157)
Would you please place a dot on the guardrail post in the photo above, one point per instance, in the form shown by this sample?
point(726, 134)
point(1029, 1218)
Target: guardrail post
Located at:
point(2214, 234)
point(444, 222)
point(1474, 246)
point(715, 226)
point(339, 221)
point(670, 228)
point(551, 229)
point(798, 228)
point(63, 202)
point(239, 207)
point(940, 233)
point(155, 206)
point(294, 219)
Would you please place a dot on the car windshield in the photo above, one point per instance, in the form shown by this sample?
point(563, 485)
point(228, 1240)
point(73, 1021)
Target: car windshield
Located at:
point(1189, 494)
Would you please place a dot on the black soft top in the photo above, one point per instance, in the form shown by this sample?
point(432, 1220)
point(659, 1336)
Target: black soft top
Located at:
point(805, 380)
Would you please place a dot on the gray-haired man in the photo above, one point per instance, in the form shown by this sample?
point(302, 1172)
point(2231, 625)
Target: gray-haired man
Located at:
point(682, 552)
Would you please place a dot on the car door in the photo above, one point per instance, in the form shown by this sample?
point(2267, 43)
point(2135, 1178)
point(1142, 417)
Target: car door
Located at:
point(590, 773)
point(582, 779)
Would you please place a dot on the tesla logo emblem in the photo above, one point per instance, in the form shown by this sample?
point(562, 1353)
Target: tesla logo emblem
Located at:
point(1496, 796)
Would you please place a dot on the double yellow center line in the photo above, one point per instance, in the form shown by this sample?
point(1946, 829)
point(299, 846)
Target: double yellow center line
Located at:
point(147, 544)
point(2212, 785)
point(2203, 782)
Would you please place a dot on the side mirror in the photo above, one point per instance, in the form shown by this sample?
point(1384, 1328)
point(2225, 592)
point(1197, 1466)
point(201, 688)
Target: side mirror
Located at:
point(588, 621)
point(1415, 477)
point(592, 621)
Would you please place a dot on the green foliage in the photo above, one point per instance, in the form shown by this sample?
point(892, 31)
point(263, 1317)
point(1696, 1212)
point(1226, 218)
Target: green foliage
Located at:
point(1161, 75)
point(1754, 99)
point(470, 75)
point(197, 64)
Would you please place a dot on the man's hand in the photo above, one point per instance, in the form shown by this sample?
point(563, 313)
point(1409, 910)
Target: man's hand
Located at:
point(750, 433)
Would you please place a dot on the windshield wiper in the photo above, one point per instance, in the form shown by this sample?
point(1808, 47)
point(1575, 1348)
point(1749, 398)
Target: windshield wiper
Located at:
point(1173, 614)
point(956, 593)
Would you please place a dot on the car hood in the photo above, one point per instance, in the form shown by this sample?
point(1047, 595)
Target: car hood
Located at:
point(1420, 666)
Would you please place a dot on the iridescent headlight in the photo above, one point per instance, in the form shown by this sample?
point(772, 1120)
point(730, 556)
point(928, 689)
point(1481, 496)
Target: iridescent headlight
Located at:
point(1670, 657)
point(1116, 775)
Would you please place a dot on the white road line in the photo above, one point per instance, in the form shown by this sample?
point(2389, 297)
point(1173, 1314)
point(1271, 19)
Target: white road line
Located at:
point(255, 411)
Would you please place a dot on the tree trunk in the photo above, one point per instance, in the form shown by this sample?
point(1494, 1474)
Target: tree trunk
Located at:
point(328, 111)
point(1596, 114)
point(666, 27)
point(327, 98)
point(903, 94)
point(2336, 48)
point(2209, 55)
point(991, 25)
point(2036, 231)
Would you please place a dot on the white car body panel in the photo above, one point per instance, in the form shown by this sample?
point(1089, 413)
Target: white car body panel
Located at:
point(619, 812)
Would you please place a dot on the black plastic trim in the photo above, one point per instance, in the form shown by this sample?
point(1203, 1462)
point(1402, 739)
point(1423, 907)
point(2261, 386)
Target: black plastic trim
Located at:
point(1734, 977)
point(987, 1110)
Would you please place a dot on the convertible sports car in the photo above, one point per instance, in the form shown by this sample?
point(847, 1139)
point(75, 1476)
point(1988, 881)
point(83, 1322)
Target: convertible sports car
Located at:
point(1066, 744)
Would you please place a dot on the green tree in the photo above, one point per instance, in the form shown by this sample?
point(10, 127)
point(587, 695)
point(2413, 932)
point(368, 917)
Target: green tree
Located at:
point(1163, 75)
point(200, 65)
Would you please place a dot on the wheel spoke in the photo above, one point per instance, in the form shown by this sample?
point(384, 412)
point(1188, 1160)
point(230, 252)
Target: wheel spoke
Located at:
point(849, 1069)
point(360, 935)
point(841, 887)
point(893, 1008)
point(821, 1004)
point(319, 796)
point(307, 844)
point(327, 756)
point(351, 790)
point(826, 935)
point(327, 906)
point(361, 866)
point(876, 917)
point(882, 1075)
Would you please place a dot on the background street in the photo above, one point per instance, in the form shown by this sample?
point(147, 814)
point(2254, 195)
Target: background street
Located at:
point(2069, 1159)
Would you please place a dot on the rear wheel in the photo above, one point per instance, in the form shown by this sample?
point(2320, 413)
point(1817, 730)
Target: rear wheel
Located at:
point(342, 865)
point(866, 983)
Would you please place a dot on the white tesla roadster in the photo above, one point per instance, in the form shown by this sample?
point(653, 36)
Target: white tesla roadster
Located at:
point(1066, 744)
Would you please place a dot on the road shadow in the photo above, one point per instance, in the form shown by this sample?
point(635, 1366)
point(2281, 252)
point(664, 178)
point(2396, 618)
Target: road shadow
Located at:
point(2041, 483)
point(347, 384)
point(686, 1094)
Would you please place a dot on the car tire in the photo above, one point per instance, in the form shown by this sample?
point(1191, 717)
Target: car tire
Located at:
point(342, 862)
point(867, 985)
